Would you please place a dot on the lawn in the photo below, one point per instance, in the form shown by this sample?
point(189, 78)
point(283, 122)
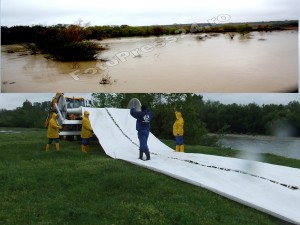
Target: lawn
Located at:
point(69, 187)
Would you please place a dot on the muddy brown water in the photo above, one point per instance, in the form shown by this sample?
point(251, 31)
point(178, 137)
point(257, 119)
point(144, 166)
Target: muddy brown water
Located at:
point(265, 62)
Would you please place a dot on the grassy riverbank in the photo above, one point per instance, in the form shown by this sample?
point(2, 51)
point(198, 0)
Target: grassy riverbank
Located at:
point(69, 187)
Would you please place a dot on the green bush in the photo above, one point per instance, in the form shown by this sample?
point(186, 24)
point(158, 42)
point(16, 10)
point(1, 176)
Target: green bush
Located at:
point(67, 44)
point(244, 29)
point(77, 51)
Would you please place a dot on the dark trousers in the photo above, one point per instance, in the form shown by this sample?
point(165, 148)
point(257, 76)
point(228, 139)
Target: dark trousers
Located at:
point(143, 138)
point(85, 141)
point(53, 139)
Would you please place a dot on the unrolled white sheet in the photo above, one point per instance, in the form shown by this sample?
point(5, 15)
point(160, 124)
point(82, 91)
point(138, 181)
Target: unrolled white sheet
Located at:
point(270, 188)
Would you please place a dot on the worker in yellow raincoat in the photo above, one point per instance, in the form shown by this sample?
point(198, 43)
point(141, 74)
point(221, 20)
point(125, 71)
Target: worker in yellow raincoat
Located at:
point(178, 132)
point(52, 134)
point(86, 132)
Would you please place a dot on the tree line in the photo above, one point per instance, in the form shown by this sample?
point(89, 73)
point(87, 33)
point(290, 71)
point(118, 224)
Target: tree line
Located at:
point(29, 115)
point(35, 33)
point(201, 117)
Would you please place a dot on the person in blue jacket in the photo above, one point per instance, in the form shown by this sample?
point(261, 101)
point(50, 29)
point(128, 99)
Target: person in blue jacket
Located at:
point(143, 119)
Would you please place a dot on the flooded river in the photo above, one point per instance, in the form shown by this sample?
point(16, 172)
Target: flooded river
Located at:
point(265, 62)
point(256, 145)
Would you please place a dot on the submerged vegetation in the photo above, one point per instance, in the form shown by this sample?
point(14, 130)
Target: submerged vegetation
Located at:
point(75, 42)
point(67, 43)
point(63, 43)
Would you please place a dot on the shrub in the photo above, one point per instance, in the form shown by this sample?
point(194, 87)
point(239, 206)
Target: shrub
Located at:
point(77, 51)
point(67, 43)
point(244, 29)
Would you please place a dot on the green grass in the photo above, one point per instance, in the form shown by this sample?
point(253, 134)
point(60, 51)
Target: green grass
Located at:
point(69, 187)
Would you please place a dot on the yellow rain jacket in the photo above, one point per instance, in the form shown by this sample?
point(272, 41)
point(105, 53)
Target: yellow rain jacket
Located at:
point(178, 124)
point(53, 127)
point(86, 130)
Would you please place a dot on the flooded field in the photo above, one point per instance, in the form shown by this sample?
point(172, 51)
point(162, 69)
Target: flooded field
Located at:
point(282, 146)
point(263, 62)
point(5, 131)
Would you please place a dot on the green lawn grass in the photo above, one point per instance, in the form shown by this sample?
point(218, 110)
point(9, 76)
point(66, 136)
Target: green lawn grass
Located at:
point(70, 187)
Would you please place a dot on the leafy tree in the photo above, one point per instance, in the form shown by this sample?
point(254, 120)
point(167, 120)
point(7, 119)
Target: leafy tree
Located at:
point(163, 107)
point(244, 29)
point(28, 115)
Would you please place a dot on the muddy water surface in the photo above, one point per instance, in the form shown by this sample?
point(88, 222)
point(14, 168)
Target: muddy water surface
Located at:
point(265, 62)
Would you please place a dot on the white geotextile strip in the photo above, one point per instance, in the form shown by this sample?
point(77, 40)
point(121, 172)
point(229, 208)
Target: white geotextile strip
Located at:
point(269, 188)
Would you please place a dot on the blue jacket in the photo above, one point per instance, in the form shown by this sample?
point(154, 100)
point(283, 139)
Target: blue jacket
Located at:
point(143, 118)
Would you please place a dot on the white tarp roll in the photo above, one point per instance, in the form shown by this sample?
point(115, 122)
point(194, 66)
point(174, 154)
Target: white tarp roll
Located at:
point(269, 188)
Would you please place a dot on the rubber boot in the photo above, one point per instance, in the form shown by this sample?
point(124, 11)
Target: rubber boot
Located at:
point(83, 149)
point(181, 148)
point(141, 155)
point(57, 147)
point(47, 147)
point(148, 155)
point(177, 148)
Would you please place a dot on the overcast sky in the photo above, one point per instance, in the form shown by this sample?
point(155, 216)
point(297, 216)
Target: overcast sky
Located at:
point(12, 101)
point(134, 12)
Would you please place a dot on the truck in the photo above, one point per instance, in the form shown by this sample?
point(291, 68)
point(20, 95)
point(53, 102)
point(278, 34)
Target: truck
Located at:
point(69, 111)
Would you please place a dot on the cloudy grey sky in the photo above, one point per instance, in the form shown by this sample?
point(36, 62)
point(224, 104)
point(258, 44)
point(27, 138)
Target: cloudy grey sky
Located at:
point(136, 12)
point(12, 101)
